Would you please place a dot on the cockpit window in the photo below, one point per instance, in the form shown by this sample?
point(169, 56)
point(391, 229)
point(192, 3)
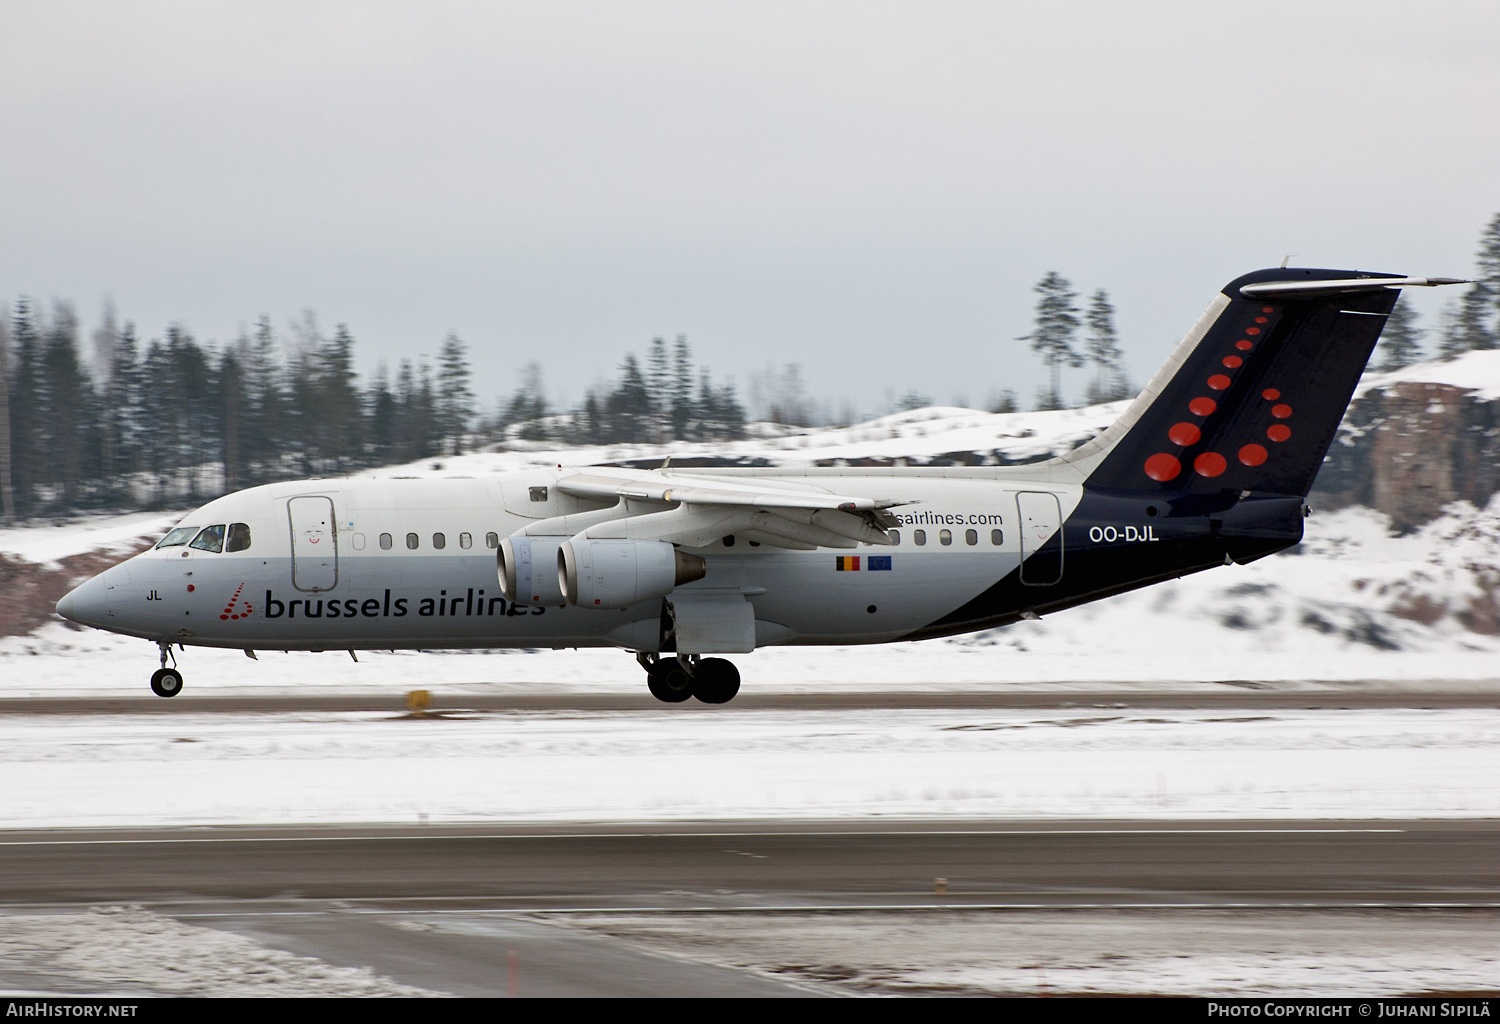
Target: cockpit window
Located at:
point(211, 539)
point(239, 537)
point(178, 537)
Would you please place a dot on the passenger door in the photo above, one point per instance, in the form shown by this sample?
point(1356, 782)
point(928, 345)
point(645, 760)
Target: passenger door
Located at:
point(315, 551)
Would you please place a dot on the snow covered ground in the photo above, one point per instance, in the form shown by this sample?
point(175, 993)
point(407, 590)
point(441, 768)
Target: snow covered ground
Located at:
point(684, 763)
point(1226, 953)
point(120, 952)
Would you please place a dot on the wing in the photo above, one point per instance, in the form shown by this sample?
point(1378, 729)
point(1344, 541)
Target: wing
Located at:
point(697, 511)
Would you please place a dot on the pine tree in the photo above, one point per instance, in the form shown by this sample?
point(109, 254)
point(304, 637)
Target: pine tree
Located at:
point(789, 404)
point(719, 411)
point(682, 389)
point(1402, 338)
point(593, 421)
point(106, 342)
point(1488, 262)
point(232, 398)
point(263, 437)
point(405, 421)
point(1103, 350)
point(455, 399)
point(338, 393)
point(1004, 401)
point(381, 427)
point(528, 406)
point(63, 400)
point(124, 409)
point(629, 406)
point(7, 490)
point(24, 432)
point(1052, 338)
point(1465, 326)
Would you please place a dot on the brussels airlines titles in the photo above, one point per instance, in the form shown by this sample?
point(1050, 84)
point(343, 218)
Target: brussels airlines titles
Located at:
point(471, 603)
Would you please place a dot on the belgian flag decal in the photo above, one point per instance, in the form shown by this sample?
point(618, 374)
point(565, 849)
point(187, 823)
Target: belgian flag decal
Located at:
point(847, 563)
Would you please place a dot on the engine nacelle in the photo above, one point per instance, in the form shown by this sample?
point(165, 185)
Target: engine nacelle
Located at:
point(527, 567)
point(620, 573)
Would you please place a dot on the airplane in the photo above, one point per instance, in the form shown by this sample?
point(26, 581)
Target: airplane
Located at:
point(1211, 465)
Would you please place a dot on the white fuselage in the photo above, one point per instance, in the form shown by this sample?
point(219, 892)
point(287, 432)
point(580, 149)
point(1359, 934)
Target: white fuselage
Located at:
point(411, 563)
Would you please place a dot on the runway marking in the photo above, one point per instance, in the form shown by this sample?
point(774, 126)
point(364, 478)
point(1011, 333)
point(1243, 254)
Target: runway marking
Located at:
point(715, 835)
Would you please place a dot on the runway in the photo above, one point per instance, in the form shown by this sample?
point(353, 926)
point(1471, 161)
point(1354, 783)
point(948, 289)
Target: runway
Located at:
point(485, 911)
point(776, 865)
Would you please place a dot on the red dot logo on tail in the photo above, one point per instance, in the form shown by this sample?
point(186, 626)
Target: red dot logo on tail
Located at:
point(1210, 464)
point(1253, 454)
point(1162, 467)
point(1184, 434)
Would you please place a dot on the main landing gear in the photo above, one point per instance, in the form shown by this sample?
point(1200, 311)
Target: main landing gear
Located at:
point(166, 682)
point(675, 679)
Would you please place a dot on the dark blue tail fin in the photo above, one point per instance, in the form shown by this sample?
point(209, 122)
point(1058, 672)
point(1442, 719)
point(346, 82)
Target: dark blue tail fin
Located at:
point(1252, 397)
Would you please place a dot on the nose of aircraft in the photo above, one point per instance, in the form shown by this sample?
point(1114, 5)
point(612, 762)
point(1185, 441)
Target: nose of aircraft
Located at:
point(85, 604)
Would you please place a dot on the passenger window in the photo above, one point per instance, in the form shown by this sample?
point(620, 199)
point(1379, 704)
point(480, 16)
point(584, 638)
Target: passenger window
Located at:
point(492, 540)
point(895, 536)
point(919, 537)
point(385, 542)
point(359, 542)
point(971, 537)
point(439, 541)
point(211, 539)
point(239, 537)
point(465, 541)
point(997, 538)
point(178, 537)
point(945, 537)
point(412, 541)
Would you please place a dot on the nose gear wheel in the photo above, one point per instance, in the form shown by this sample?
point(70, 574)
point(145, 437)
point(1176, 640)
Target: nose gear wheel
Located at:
point(166, 682)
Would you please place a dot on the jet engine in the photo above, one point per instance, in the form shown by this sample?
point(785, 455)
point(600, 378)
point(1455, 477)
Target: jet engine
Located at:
point(527, 567)
point(620, 573)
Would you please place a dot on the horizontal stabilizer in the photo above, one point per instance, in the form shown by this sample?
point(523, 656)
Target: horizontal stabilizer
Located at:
point(1345, 286)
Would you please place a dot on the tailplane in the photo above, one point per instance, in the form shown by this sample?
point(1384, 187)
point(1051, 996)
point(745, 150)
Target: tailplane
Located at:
point(1251, 398)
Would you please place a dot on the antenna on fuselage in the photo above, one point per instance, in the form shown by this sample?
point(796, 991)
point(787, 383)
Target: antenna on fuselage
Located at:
point(1286, 259)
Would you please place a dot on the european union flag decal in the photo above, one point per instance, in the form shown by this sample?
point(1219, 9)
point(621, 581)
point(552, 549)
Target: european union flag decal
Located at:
point(875, 563)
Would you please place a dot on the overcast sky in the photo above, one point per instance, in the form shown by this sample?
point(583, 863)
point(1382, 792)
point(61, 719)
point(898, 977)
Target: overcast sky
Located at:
point(868, 189)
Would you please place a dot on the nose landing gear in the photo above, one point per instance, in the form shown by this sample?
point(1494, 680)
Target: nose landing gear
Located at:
point(166, 682)
point(675, 679)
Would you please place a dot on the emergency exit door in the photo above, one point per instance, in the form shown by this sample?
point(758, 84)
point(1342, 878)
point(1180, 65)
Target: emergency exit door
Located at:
point(315, 546)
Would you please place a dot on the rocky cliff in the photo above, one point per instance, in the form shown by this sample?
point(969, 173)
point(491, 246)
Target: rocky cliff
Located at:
point(1417, 440)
